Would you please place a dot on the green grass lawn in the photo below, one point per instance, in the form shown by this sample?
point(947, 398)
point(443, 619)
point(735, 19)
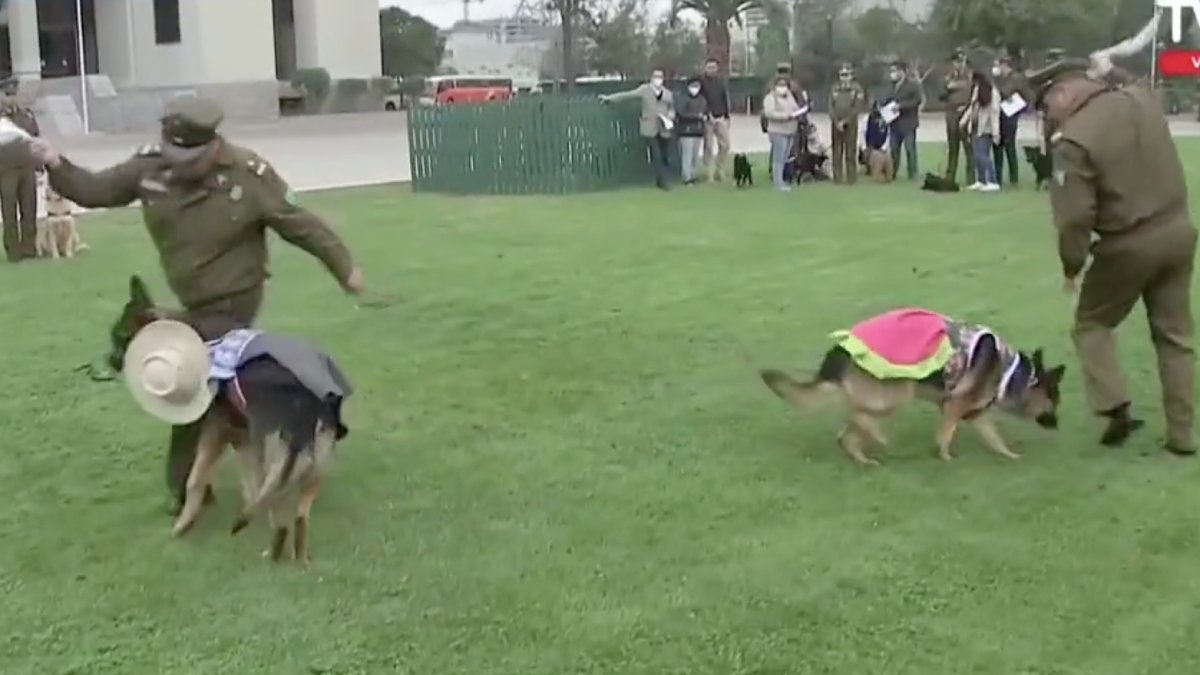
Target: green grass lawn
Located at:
point(560, 461)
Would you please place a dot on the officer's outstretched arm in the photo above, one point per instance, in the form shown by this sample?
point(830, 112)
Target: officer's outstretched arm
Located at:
point(114, 186)
point(299, 226)
point(1073, 199)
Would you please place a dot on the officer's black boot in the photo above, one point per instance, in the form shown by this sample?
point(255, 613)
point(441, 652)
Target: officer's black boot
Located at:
point(1121, 425)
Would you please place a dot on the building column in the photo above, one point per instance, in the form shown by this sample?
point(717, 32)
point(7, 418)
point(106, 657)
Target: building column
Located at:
point(25, 49)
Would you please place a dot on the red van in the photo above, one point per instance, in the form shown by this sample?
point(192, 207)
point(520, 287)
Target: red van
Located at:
point(452, 89)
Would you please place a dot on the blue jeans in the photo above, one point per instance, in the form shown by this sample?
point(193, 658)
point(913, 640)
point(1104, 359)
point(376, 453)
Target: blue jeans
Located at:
point(909, 141)
point(780, 144)
point(985, 165)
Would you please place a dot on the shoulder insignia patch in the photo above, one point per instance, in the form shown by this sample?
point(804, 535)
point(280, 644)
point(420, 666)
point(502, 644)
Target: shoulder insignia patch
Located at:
point(258, 166)
point(291, 198)
point(1056, 137)
point(149, 149)
point(1060, 177)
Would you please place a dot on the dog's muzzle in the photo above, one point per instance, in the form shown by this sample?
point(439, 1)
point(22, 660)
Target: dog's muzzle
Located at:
point(1047, 421)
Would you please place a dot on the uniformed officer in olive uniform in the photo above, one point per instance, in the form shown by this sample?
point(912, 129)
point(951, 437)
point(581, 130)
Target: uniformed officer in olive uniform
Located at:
point(847, 101)
point(957, 96)
point(1117, 174)
point(18, 180)
point(207, 204)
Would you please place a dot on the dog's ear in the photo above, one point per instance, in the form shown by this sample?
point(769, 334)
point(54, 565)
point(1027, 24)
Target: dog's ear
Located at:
point(138, 293)
point(1038, 365)
point(1056, 374)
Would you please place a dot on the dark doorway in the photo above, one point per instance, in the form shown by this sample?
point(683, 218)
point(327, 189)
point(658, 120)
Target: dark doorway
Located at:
point(57, 34)
point(285, 39)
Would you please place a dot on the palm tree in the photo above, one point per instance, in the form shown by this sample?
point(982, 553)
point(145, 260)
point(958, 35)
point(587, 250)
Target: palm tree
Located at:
point(717, 15)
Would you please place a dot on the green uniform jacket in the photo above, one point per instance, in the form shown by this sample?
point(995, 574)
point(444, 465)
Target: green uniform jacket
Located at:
point(1115, 168)
point(211, 238)
point(958, 88)
point(847, 101)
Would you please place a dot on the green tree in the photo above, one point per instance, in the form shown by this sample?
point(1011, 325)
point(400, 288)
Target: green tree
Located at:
point(717, 15)
point(619, 40)
point(677, 48)
point(773, 44)
point(411, 45)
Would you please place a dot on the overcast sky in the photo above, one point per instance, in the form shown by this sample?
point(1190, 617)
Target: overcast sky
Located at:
point(445, 12)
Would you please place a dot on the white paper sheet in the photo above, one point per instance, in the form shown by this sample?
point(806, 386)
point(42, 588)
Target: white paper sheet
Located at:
point(890, 112)
point(1012, 105)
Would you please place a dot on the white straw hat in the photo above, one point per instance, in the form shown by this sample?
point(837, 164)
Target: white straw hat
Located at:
point(166, 369)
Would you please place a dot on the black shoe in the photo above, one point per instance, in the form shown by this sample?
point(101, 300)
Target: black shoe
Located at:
point(1121, 426)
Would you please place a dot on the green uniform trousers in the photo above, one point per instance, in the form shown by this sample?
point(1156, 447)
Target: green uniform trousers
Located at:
point(1152, 263)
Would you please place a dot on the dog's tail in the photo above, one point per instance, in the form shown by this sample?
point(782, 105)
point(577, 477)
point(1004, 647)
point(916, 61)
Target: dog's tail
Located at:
point(796, 392)
point(826, 382)
point(282, 462)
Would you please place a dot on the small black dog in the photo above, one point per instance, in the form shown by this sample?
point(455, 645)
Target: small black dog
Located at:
point(936, 183)
point(743, 171)
point(1042, 166)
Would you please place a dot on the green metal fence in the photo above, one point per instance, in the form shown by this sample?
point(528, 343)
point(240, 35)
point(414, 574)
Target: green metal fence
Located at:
point(531, 145)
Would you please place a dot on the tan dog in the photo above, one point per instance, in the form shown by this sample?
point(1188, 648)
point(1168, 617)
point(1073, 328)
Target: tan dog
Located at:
point(57, 234)
point(982, 375)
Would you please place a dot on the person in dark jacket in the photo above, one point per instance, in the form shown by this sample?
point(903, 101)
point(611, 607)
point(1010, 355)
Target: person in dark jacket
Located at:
point(715, 90)
point(906, 94)
point(690, 117)
point(877, 130)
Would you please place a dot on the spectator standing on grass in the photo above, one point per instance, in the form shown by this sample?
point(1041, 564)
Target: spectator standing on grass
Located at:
point(957, 97)
point(1008, 82)
point(906, 94)
point(875, 133)
point(657, 122)
point(18, 181)
point(846, 102)
point(715, 89)
point(207, 205)
point(982, 126)
point(690, 117)
point(781, 115)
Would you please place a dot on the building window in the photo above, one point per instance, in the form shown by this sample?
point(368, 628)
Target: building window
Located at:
point(166, 22)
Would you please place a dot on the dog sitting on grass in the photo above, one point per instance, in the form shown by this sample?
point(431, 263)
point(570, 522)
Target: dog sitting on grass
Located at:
point(57, 233)
point(743, 171)
point(885, 362)
point(277, 400)
point(1041, 164)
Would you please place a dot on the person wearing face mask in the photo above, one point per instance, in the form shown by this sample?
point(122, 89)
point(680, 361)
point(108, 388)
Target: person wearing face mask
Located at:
point(781, 115)
point(906, 94)
point(1007, 82)
point(1118, 180)
point(691, 115)
point(657, 122)
point(957, 96)
point(715, 90)
point(207, 204)
point(846, 103)
point(18, 181)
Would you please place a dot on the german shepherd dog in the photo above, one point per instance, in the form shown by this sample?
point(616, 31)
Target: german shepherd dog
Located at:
point(1042, 166)
point(283, 434)
point(972, 397)
point(743, 171)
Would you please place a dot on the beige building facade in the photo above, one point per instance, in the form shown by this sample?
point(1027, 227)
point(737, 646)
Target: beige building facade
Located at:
point(137, 53)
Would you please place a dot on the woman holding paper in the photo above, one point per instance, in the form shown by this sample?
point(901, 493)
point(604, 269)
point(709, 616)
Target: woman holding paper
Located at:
point(982, 121)
point(1012, 90)
point(782, 114)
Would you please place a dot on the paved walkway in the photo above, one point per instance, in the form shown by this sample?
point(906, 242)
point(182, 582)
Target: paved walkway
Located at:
point(334, 151)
